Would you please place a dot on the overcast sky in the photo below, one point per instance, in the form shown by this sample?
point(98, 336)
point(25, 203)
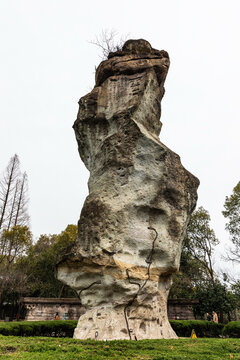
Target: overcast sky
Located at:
point(47, 64)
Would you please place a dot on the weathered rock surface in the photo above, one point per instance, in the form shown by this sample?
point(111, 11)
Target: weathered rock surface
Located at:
point(133, 222)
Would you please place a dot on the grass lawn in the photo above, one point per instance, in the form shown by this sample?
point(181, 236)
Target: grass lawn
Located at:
point(13, 347)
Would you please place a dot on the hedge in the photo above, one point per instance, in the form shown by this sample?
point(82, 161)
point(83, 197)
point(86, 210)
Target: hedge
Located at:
point(183, 328)
point(65, 328)
point(58, 328)
point(232, 329)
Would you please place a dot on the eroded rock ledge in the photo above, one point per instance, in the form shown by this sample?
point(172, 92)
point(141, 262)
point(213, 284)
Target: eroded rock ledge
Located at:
point(134, 219)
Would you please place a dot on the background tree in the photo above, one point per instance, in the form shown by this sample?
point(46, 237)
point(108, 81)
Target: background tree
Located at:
point(197, 278)
point(28, 269)
point(7, 186)
point(201, 240)
point(15, 236)
point(13, 196)
point(215, 297)
point(14, 244)
point(185, 281)
point(196, 265)
point(41, 261)
point(232, 214)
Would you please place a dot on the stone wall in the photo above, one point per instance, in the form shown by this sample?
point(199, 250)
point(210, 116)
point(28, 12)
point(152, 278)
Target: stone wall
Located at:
point(235, 314)
point(181, 309)
point(45, 308)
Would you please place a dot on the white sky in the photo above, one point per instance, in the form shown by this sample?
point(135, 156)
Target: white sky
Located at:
point(47, 64)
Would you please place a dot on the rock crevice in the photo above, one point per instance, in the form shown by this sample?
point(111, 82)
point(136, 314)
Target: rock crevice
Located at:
point(148, 260)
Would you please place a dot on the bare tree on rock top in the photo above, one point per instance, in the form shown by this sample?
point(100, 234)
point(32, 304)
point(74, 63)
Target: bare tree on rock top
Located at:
point(108, 41)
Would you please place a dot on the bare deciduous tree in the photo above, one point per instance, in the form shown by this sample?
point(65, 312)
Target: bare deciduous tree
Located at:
point(21, 216)
point(13, 196)
point(7, 187)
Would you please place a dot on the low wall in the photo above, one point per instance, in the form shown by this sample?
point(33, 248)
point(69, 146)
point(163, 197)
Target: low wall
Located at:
point(181, 309)
point(46, 308)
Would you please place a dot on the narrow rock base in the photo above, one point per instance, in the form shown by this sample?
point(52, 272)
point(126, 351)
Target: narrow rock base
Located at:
point(120, 323)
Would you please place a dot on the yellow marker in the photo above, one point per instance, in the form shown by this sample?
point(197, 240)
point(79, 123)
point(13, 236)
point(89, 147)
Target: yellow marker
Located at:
point(193, 335)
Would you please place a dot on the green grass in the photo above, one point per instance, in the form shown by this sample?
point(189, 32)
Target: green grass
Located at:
point(13, 347)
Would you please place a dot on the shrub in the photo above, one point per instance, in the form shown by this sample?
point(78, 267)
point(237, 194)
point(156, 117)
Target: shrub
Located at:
point(58, 328)
point(232, 329)
point(183, 328)
point(65, 328)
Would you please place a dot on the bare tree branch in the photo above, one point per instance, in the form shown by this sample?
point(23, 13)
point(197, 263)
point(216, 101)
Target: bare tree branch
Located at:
point(108, 41)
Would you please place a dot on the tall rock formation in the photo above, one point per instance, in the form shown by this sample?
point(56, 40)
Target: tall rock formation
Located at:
point(134, 219)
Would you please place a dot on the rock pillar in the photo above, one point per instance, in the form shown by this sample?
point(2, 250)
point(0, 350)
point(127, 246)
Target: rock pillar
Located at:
point(133, 222)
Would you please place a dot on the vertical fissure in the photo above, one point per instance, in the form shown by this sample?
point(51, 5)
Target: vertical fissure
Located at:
point(148, 260)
